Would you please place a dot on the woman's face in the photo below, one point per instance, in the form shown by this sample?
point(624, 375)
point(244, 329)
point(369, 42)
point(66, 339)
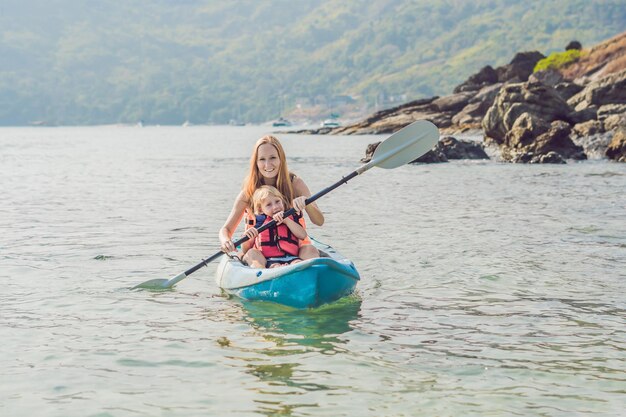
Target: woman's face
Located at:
point(267, 161)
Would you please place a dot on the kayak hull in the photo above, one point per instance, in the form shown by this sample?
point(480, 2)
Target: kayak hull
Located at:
point(307, 284)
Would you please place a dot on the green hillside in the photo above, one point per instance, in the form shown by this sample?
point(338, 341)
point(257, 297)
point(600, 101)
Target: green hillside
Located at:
point(91, 62)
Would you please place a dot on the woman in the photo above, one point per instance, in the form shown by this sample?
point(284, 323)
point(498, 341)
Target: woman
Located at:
point(268, 166)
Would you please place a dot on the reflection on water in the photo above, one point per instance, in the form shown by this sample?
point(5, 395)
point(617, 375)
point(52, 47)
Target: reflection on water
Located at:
point(313, 328)
point(295, 335)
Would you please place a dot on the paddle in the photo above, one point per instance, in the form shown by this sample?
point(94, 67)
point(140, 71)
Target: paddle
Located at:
point(400, 148)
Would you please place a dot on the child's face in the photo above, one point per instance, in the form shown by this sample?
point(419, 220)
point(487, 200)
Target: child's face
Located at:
point(272, 205)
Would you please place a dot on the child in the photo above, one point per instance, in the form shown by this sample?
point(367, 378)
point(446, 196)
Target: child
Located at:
point(277, 245)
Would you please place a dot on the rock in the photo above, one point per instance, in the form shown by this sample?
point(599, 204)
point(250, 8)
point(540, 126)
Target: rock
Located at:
point(518, 116)
point(567, 89)
point(549, 158)
point(614, 122)
point(471, 114)
point(607, 90)
point(461, 149)
point(549, 77)
point(513, 100)
point(477, 107)
point(520, 67)
point(611, 109)
point(518, 70)
point(447, 148)
point(526, 128)
point(431, 157)
point(588, 128)
point(487, 94)
point(441, 120)
point(393, 119)
point(454, 102)
point(531, 138)
point(574, 45)
point(486, 76)
point(557, 139)
point(369, 152)
point(582, 81)
point(516, 158)
point(594, 146)
point(617, 148)
point(584, 115)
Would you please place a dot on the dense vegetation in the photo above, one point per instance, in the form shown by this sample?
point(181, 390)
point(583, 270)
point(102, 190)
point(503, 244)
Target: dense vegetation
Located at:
point(204, 61)
point(557, 60)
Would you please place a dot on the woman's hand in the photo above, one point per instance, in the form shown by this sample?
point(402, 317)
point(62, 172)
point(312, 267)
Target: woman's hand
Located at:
point(299, 204)
point(228, 246)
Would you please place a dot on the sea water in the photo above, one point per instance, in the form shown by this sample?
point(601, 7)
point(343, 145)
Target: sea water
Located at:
point(487, 288)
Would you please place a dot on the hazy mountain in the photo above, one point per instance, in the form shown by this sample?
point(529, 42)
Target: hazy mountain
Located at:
point(106, 61)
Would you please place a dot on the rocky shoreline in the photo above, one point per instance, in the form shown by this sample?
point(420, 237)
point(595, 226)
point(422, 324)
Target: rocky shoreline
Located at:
point(550, 116)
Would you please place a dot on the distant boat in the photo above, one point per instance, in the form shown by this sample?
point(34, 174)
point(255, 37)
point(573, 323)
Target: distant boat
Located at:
point(234, 122)
point(187, 123)
point(281, 122)
point(330, 123)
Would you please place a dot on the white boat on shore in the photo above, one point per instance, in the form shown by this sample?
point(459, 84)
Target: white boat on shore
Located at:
point(330, 123)
point(281, 122)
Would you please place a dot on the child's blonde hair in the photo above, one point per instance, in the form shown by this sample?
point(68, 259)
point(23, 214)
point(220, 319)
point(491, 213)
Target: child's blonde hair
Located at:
point(262, 193)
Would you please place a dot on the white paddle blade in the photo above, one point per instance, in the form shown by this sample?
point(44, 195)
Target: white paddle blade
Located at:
point(161, 284)
point(153, 284)
point(406, 145)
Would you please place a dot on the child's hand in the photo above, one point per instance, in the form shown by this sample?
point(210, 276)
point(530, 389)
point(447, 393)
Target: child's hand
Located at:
point(278, 217)
point(252, 233)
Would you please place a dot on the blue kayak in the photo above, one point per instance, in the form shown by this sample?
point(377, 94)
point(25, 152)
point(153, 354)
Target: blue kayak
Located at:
point(307, 284)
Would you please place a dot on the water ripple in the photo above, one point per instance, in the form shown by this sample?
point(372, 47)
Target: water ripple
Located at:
point(487, 288)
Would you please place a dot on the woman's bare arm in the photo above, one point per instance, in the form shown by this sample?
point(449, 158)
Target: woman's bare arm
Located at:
point(233, 220)
point(300, 189)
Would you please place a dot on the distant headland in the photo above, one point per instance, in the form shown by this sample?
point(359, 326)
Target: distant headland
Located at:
point(536, 109)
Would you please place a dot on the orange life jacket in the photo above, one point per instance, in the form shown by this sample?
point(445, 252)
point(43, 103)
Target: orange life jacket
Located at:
point(276, 241)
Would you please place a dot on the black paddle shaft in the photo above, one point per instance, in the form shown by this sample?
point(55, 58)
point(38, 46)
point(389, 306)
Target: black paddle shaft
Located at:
point(266, 226)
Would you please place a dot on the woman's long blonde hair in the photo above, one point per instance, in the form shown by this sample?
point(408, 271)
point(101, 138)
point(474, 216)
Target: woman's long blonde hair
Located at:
point(254, 179)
